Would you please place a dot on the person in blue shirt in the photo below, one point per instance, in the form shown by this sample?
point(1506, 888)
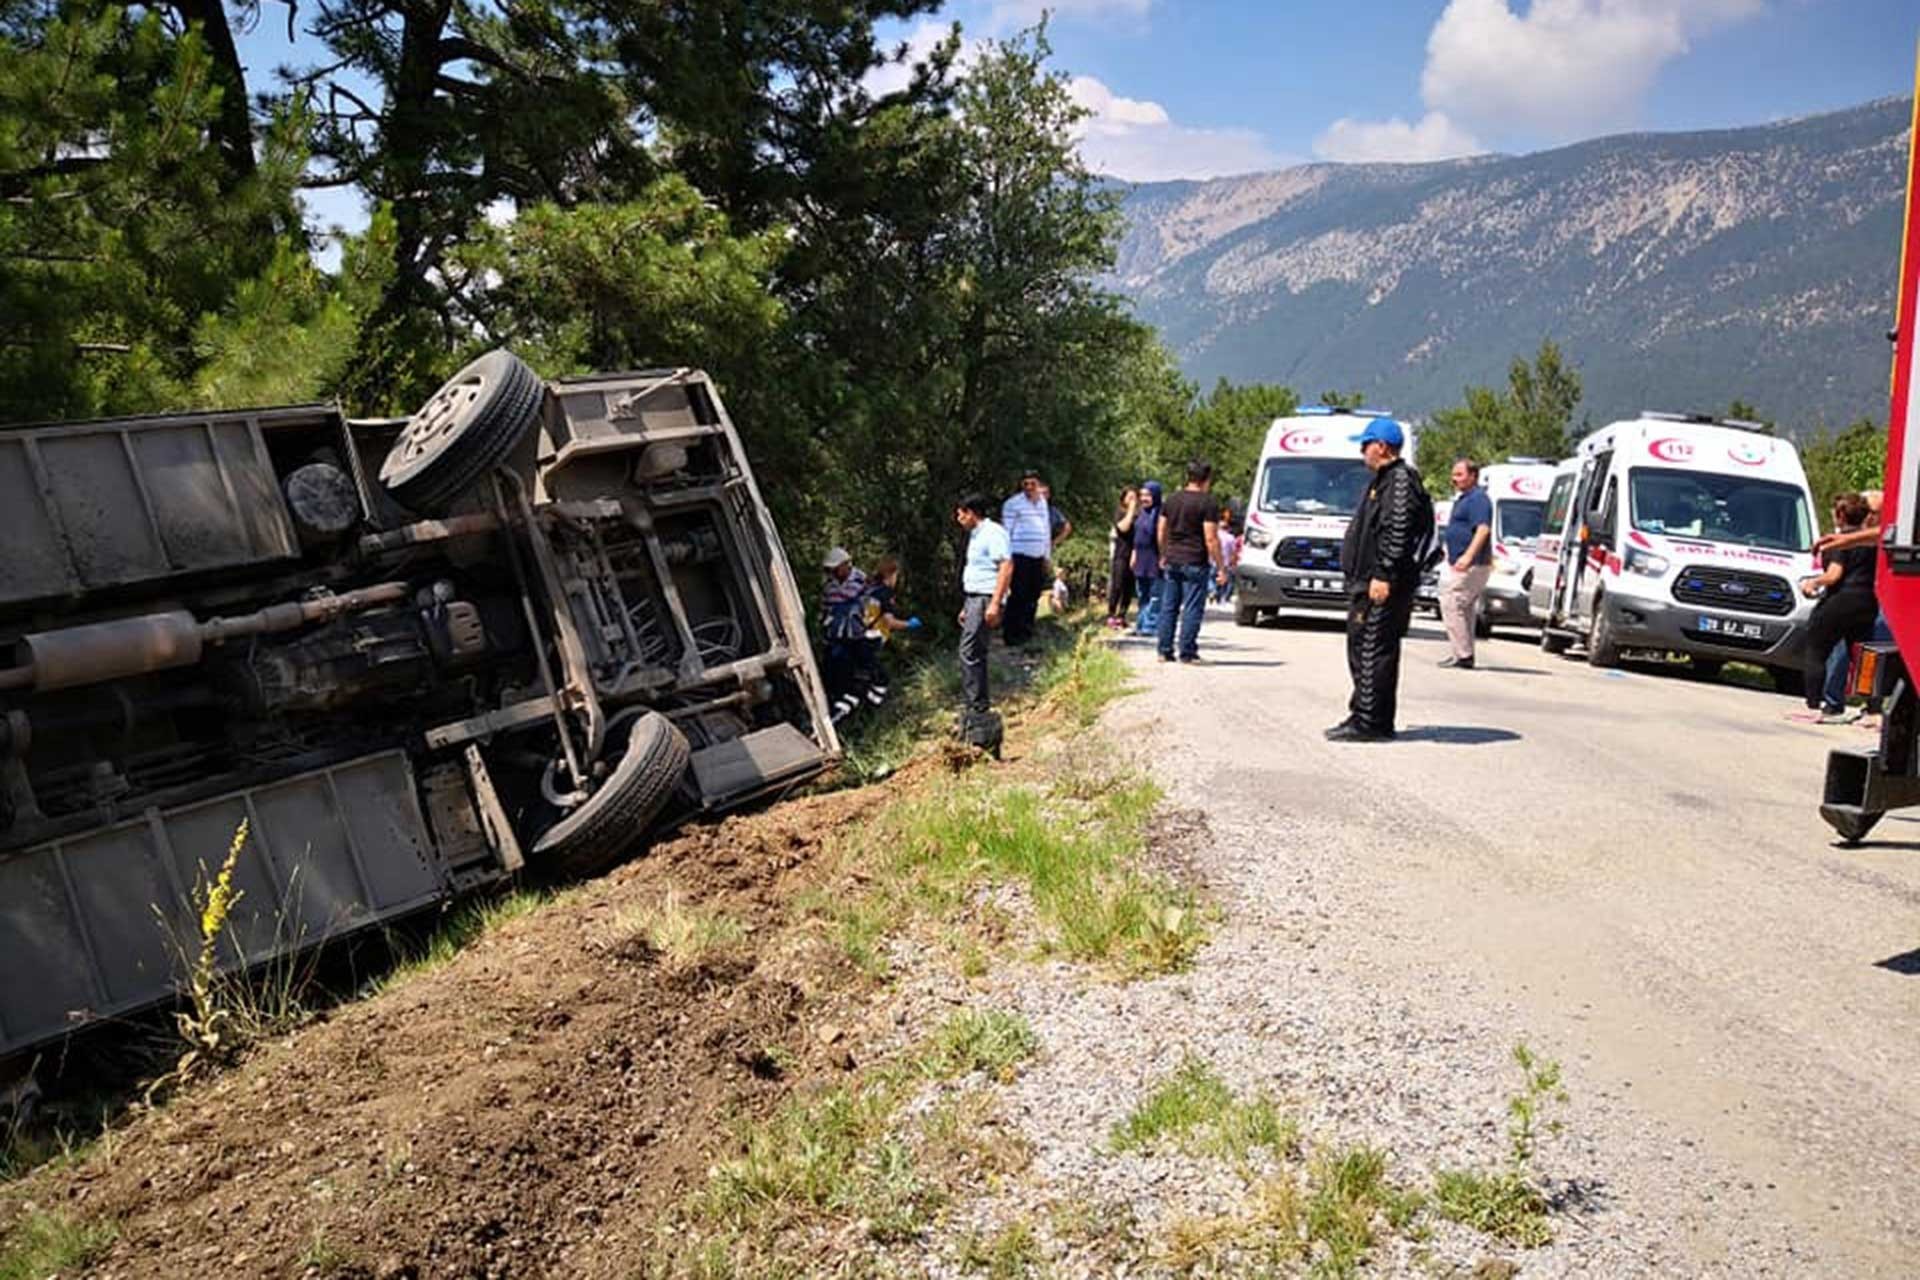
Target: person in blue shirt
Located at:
point(1034, 526)
point(986, 576)
point(1469, 562)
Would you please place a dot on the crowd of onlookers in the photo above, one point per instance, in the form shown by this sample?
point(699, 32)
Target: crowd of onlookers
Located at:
point(1135, 567)
point(1173, 552)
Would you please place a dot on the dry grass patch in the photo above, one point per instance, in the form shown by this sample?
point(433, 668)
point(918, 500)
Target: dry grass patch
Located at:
point(681, 935)
point(43, 1244)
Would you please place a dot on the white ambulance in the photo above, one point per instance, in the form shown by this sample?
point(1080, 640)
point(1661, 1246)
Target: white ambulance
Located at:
point(1680, 533)
point(1518, 490)
point(1308, 483)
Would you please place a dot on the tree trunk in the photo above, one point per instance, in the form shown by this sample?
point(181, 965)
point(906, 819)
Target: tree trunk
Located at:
point(233, 130)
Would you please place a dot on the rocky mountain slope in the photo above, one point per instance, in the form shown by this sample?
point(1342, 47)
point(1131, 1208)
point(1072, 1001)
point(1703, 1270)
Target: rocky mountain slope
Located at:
point(1678, 270)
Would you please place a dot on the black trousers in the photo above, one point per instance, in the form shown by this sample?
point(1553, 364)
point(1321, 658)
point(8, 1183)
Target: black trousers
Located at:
point(1023, 598)
point(1374, 633)
point(1841, 617)
point(1120, 582)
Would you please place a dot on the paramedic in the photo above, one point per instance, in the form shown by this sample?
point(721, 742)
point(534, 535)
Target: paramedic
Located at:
point(1381, 562)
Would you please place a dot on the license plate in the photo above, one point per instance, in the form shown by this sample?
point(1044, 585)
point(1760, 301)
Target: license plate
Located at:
point(1330, 586)
point(1730, 627)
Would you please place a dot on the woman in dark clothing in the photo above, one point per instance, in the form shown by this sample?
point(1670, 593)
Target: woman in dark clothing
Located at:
point(1146, 556)
point(1120, 558)
point(1844, 615)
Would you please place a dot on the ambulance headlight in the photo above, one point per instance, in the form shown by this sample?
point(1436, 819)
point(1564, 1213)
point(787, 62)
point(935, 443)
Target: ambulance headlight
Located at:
point(1258, 538)
point(1646, 562)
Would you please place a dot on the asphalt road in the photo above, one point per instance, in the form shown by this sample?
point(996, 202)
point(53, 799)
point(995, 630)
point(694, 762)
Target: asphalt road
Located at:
point(1635, 863)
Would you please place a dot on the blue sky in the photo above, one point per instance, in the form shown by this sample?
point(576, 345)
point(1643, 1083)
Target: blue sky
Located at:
point(1200, 88)
point(1196, 88)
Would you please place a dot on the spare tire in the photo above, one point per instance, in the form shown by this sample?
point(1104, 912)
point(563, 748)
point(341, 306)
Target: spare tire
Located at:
point(466, 430)
point(592, 837)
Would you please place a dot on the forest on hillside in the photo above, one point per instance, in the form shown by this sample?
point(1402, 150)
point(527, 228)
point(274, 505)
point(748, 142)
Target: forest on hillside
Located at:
point(895, 287)
point(893, 271)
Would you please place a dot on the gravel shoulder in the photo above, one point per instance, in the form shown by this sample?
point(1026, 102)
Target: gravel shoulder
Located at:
point(1624, 871)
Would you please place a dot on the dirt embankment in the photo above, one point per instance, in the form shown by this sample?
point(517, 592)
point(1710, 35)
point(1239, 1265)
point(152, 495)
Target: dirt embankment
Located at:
point(529, 1108)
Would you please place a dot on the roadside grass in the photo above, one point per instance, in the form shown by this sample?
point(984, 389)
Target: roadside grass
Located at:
point(1065, 667)
point(846, 1156)
point(1507, 1202)
point(1500, 1202)
point(1011, 1253)
point(683, 936)
point(1330, 1215)
point(458, 929)
point(1082, 680)
point(989, 1041)
point(322, 1257)
point(1076, 860)
point(1194, 1111)
point(925, 689)
point(43, 1244)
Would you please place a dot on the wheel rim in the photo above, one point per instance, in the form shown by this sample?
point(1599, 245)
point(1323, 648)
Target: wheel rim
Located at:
point(439, 420)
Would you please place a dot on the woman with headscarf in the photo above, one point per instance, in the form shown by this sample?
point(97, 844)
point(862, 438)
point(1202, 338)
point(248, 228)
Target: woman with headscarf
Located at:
point(1120, 558)
point(1146, 556)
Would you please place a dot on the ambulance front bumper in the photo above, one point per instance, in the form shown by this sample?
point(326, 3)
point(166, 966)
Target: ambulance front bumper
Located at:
point(1643, 623)
point(1264, 586)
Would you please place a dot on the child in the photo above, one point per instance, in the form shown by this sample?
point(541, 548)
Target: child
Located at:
point(1061, 594)
point(881, 622)
point(844, 627)
point(1229, 560)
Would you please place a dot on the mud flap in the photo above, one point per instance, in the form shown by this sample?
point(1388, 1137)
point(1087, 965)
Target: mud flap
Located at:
point(1862, 786)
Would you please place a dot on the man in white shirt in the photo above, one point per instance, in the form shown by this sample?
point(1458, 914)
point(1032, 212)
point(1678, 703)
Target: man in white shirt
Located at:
point(1033, 528)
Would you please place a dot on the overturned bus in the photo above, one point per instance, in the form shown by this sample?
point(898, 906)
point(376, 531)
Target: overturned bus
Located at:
point(522, 628)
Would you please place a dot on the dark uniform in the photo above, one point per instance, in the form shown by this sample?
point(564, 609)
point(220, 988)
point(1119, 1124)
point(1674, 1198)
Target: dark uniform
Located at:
point(1385, 540)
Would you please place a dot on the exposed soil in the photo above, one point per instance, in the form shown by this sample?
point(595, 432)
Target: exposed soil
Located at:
point(529, 1109)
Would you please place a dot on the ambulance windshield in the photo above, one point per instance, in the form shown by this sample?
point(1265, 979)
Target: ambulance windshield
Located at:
point(1519, 520)
point(1720, 508)
point(1313, 486)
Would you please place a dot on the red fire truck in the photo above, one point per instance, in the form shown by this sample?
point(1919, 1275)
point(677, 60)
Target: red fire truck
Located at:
point(1862, 786)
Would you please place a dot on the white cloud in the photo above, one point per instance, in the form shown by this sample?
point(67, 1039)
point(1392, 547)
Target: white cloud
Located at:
point(892, 77)
point(1137, 140)
point(1560, 70)
point(1567, 68)
point(1435, 137)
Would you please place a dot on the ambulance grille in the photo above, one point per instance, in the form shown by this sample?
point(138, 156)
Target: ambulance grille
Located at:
point(1734, 589)
point(1308, 553)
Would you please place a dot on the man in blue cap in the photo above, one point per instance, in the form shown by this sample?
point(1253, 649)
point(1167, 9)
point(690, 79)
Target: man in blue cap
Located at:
point(1381, 560)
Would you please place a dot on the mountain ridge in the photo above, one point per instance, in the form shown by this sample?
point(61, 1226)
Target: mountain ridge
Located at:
point(1678, 270)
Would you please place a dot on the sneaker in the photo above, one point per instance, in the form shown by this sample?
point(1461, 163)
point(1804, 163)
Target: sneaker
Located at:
point(1846, 715)
point(1457, 664)
point(1166, 657)
point(1190, 659)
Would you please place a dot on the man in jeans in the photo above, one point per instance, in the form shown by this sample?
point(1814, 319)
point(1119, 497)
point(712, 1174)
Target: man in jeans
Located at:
point(1469, 561)
point(1189, 558)
point(1033, 527)
point(985, 577)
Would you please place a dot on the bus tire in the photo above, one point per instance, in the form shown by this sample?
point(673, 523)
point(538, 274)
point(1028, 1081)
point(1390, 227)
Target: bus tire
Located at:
point(614, 818)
